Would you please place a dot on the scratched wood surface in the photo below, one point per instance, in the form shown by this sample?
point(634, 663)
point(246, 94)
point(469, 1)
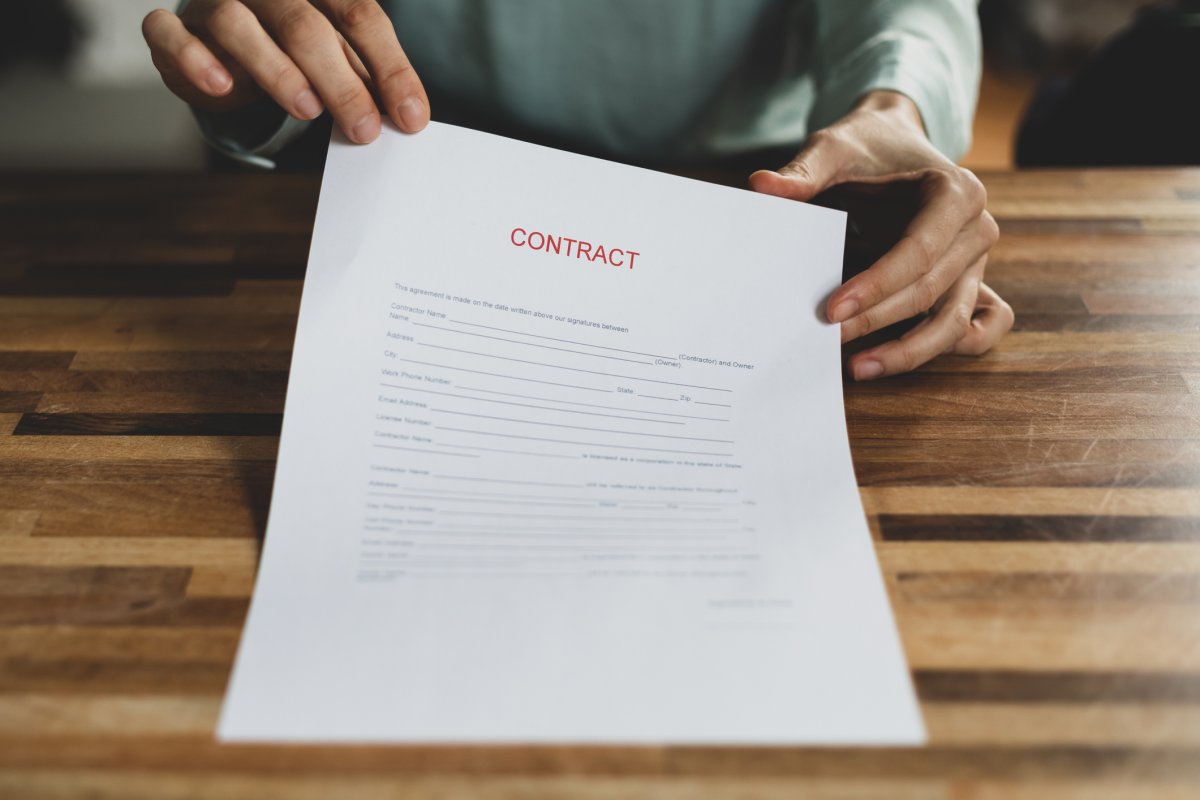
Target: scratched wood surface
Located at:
point(1036, 511)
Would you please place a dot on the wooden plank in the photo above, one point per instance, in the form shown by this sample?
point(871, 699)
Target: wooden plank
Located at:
point(185, 402)
point(14, 523)
point(72, 449)
point(128, 552)
point(1009, 557)
point(989, 639)
point(1100, 726)
point(114, 643)
point(148, 424)
point(1049, 588)
point(1030, 501)
point(1071, 342)
point(1061, 528)
point(234, 361)
point(1078, 688)
point(1104, 367)
point(232, 300)
point(81, 582)
point(134, 381)
point(148, 332)
point(232, 467)
point(136, 715)
point(125, 608)
point(179, 785)
point(226, 581)
point(1081, 790)
point(17, 360)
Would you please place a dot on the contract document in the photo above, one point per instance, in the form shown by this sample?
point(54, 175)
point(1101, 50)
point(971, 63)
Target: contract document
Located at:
point(564, 460)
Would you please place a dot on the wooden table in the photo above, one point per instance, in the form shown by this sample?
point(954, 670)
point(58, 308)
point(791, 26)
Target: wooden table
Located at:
point(1036, 511)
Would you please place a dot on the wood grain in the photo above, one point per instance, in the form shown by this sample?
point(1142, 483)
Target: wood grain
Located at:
point(1036, 511)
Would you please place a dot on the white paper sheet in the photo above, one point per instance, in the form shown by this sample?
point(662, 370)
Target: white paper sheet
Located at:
point(537, 496)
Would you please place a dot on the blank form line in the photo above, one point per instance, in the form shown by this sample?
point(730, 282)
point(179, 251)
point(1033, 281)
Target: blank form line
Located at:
point(565, 341)
point(532, 344)
point(502, 480)
point(666, 507)
point(481, 500)
point(579, 427)
point(557, 530)
point(587, 517)
point(500, 375)
point(563, 502)
point(570, 369)
point(591, 548)
point(419, 450)
point(585, 444)
point(527, 405)
point(511, 452)
point(488, 527)
point(604, 499)
point(590, 405)
point(656, 397)
point(684, 537)
point(720, 405)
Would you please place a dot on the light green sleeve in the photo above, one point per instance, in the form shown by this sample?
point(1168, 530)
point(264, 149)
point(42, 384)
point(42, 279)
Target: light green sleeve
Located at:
point(928, 50)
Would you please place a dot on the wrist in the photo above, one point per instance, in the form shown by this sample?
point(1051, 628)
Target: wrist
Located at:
point(895, 106)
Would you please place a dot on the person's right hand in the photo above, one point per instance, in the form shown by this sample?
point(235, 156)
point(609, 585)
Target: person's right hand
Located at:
point(221, 55)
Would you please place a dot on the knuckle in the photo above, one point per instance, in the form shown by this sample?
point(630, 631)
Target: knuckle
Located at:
point(282, 76)
point(398, 73)
point(300, 25)
point(226, 18)
point(973, 190)
point(347, 97)
point(960, 319)
point(923, 251)
point(1007, 315)
point(941, 179)
point(358, 14)
point(925, 294)
point(991, 229)
point(871, 294)
point(905, 359)
point(866, 322)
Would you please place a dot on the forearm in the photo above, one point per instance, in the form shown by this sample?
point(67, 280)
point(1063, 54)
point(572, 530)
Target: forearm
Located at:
point(927, 50)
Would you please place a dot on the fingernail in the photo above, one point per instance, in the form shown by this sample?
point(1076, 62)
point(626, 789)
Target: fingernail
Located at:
point(866, 370)
point(412, 114)
point(366, 129)
point(308, 105)
point(844, 311)
point(217, 80)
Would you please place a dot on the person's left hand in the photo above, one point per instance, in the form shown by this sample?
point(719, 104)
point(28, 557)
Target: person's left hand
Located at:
point(937, 258)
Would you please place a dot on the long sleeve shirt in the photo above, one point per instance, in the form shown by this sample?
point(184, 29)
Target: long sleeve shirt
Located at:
point(668, 80)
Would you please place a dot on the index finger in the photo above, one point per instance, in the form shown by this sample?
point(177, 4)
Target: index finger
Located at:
point(951, 203)
point(371, 33)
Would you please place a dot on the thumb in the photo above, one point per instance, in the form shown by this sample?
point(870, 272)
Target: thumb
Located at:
point(812, 171)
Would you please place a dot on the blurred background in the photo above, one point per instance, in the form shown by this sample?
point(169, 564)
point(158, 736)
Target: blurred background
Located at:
point(78, 90)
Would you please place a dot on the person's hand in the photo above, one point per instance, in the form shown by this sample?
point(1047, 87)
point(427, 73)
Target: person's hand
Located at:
point(221, 55)
point(937, 253)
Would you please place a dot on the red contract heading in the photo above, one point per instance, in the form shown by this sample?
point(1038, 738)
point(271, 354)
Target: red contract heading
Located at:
point(566, 246)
